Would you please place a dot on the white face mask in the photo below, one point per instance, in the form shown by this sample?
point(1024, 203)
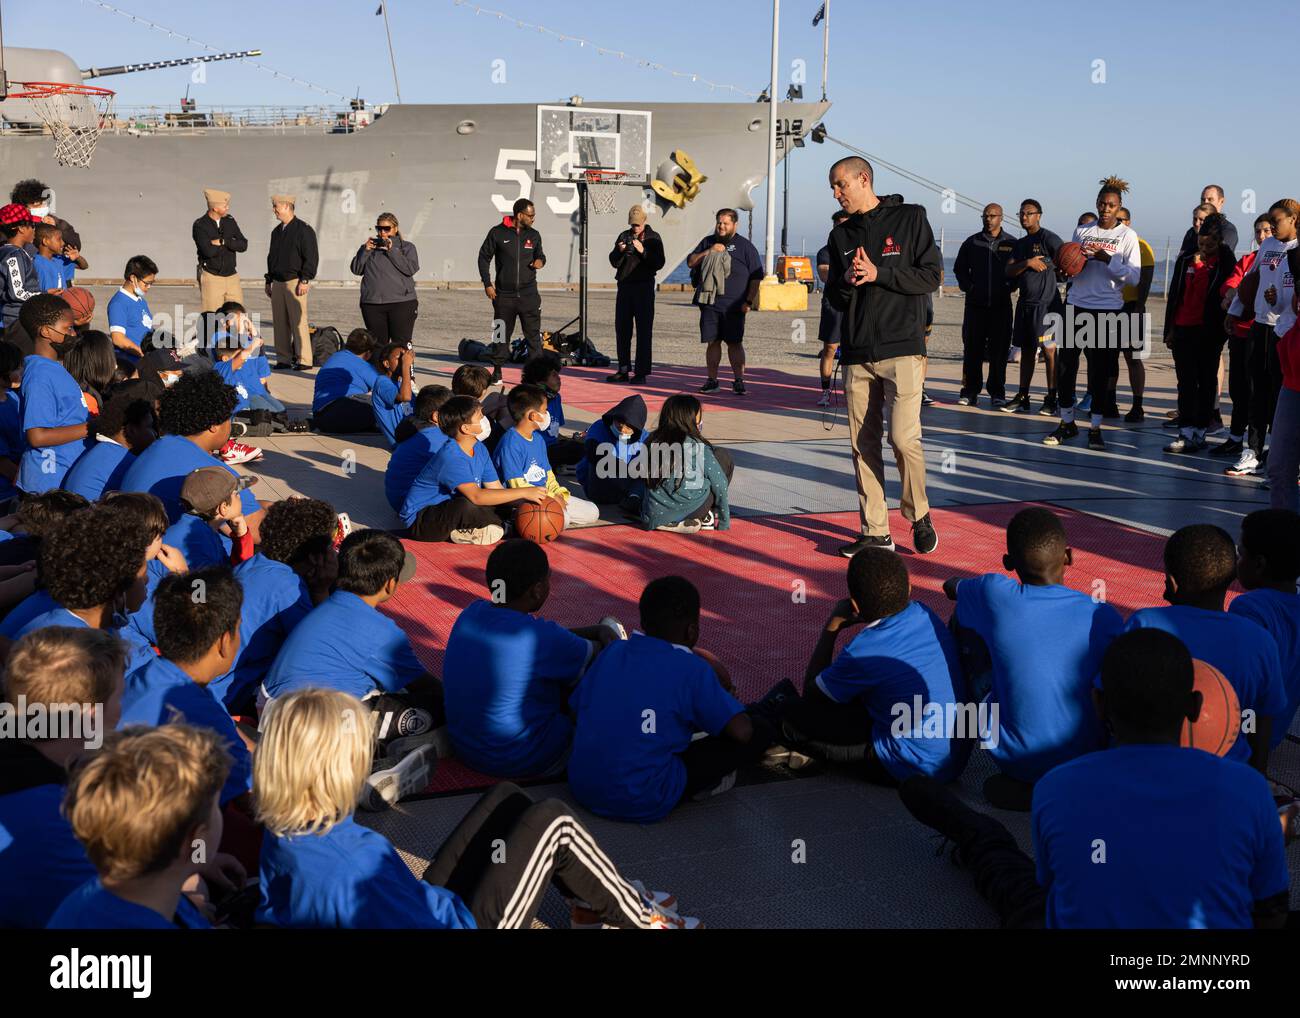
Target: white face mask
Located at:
point(168, 380)
point(545, 423)
point(624, 436)
point(484, 430)
point(40, 211)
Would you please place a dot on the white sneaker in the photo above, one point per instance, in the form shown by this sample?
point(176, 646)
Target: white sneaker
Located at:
point(1246, 466)
point(685, 527)
point(825, 399)
point(490, 534)
point(233, 453)
point(406, 776)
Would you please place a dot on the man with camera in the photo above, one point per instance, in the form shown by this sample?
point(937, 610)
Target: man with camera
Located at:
point(637, 255)
point(387, 264)
point(517, 250)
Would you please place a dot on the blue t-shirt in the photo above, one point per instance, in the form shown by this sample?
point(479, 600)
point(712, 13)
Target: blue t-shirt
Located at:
point(517, 458)
point(162, 692)
point(138, 652)
point(198, 542)
point(389, 412)
point(129, 314)
point(50, 398)
point(344, 644)
point(506, 679)
point(1189, 841)
point(36, 603)
point(91, 907)
point(746, 265)
point(69, 269)
point(350, 877)
point(13, 443)
point(889, 666)
point(52, 272)
point(1233, 644)
point(1279, 613)
point(446, 472)
point(344, 374)
point(98, 469)
point(275, 601)
point(608, 444)
point(1042, 684)
point(625, 763)
point(554, 407)
point(162, 468)
point(247, 380)
point(41, 861)
point(408, 459)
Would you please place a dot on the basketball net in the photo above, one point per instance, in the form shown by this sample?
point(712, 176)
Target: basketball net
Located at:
point(602, 190)
point(75, 116)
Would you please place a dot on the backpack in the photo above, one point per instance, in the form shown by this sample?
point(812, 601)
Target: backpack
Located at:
point(482, 353)
point(325, 342)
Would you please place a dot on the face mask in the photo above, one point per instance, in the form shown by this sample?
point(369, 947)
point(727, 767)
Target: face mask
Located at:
point(169, 380)
point(545, 423)
point(40, 211)
point(484, 430)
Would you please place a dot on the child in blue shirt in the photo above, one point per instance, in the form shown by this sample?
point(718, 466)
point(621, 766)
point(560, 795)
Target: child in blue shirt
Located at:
point(53, 408)
point(1268, 564)
point(1045, 642)
point(139, 807)
point(340, 402)
point(507, 674)
point(129, 317)
point(390, 396)
point(12, 442)
point(1145, 835)
point(125, 427)
point(611, 445)
point(457, 497)
point(544, 370)
point(893, 697)
point(639, 708)
point(419, 439)
point(521, 459)
point(50, 266)
point(1200, 565)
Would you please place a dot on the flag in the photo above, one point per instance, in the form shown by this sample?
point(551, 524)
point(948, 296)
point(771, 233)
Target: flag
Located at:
point(379, 10)
point(821, 13)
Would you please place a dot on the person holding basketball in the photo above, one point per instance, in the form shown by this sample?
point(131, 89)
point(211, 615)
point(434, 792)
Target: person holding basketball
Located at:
point(1033, 269)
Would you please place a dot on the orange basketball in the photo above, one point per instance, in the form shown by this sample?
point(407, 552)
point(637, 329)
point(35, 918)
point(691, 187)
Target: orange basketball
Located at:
point(1219, 725)
point(724, 676)
point(1070, 258)
point(540, 522)
point(82, 303)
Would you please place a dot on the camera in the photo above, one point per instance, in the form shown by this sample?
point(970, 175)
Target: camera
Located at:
point(380, 242)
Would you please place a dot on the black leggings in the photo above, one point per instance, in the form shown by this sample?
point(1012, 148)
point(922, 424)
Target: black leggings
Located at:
point(1196, 364)
point(1239, 382)
point(391, 323)
point(509, 849)
point(348, 416)
point(1102, 357)
point(1265, 382)
point(839, 732)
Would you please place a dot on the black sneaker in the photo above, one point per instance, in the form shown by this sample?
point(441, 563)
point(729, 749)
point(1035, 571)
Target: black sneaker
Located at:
point(710, 386)
point(1063, 431)
point(934, 805)
point(1135, 416)
point(1172, 422)
point(1111, 412)
point(867, 541)
point(738, 387)
point(924, 538)
point(637, 380)
point(1231, 447)
point(1050, 408)
point(1017, 404)
point(1095, 441)
point(619, 377)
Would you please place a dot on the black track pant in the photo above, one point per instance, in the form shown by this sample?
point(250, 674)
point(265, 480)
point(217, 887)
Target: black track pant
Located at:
point(1265, 381)
point(1005, 877)
point(635, 304)
point(436, 522)
point(509, 849)
point(1196, 364)
point(526, 308)
point(985, 333)
point(348, 416)
point(391, 323)
point(1239, 381)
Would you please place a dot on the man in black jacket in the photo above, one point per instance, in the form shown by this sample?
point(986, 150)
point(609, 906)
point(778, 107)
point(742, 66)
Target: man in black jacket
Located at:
point(517, 250)
point(637, 255)
point(883, 265)
point(981, 271)
point(217, 239)
point(291, 264)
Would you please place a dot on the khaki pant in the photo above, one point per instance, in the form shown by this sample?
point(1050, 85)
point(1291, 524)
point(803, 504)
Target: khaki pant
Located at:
point(217, 290)
point(289, 313)
point(868, 389)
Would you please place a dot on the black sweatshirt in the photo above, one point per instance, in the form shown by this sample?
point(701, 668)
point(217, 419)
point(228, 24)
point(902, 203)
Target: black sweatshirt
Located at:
point(981, 269)
point(218, 259)
point(514, 251)
point(293, 254)
point(637, 268)
point(884, 318)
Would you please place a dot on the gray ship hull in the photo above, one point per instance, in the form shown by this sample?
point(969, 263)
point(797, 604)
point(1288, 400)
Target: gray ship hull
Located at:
point(143, 191)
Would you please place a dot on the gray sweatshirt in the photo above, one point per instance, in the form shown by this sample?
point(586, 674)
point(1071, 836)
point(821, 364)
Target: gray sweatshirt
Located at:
point(387, 277)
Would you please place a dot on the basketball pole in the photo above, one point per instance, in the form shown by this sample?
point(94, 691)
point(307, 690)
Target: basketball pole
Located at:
point(582, 260)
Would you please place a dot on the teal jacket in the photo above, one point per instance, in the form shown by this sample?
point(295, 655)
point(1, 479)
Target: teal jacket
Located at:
point(679, 497)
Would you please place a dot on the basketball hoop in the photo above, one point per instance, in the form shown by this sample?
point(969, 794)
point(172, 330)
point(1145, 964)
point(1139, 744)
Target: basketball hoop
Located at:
point(602, 189)
point(74, 114)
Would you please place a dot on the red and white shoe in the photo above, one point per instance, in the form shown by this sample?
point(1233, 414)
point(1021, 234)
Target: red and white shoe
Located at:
point(237, 452)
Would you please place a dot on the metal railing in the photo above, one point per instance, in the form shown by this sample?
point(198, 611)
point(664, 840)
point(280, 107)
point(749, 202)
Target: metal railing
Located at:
point(147, 120)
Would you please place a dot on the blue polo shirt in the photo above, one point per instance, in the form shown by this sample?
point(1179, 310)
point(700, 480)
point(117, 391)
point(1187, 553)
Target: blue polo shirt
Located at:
point(162, 468)
point(129, 314)
point(1043, 685)
point(247, 380)
point(344, 644)
point(1190, 841)
point(1246, 655)
point(344, 374)
point(50, 398)
point(389, 412)
point(98, 469)
point(91, 907)
point(408, 459)
point(351, 878)
point(446, 472)
point(889, 665)
point(1279, 614)
point(41, 861)
point(506, 680)
point(626, 764)
point(163, 692)
point(52, 272)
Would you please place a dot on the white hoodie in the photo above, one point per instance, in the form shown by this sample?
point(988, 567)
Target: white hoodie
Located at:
point(1271, 266)
point(1100, 286)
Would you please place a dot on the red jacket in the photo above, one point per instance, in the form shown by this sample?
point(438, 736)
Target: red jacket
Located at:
point(1242, 328)
point(1288, 352)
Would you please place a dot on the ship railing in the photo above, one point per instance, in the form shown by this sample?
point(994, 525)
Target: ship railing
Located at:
point(139, 120)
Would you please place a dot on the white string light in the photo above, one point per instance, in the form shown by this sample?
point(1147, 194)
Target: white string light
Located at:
point(602, 51)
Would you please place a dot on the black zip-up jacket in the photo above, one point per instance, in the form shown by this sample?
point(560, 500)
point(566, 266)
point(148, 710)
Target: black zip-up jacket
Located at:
point(514, 251)
point(218, 259)
point(1214, 313)
point(884, 318)
point(293, 254)
point(637, 268)
point(981, 269)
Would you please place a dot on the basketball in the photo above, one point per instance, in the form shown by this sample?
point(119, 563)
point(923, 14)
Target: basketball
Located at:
point(719, 669)
point(1070, 258)
point(82, 303)
point(540, 522)
point(1219, 725)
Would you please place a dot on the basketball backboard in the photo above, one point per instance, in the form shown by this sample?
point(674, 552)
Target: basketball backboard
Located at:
point(572, 139)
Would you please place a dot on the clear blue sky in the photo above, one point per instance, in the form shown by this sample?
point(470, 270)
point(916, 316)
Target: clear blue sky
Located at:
point(996, 101)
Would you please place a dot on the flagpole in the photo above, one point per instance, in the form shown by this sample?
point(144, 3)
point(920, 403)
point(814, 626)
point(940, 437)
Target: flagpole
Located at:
point(826, 42)
point(770, 225)
point(384, 9)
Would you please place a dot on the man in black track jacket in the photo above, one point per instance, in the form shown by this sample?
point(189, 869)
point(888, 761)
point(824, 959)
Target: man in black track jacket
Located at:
point(883, 265)
point(517, 249)
point(981, 271)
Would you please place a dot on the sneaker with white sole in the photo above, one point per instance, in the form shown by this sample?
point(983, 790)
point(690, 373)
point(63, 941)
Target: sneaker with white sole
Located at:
point(609, 622)
point(399, 779)
point(709, 521)
point(825, 399)
point(233, 453)
point(490, 534)
point(684, 527)
point(439, 739)
point(670, 921)
point(1246, 466)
